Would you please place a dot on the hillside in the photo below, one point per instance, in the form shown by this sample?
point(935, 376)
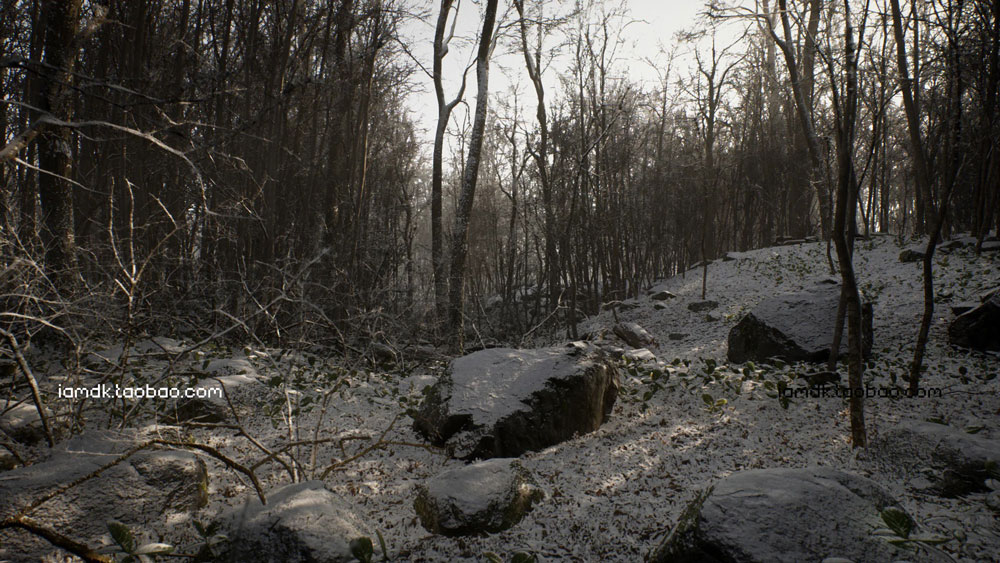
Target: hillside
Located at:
point(610, 495)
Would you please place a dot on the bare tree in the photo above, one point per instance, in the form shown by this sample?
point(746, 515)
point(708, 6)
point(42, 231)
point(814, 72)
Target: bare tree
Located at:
point(442, 37)
point(464, 211)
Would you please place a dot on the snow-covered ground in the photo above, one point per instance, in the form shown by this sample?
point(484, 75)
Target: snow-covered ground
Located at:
point(613, 494)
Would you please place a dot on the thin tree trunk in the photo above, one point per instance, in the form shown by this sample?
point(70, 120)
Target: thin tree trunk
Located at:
point(460, 242)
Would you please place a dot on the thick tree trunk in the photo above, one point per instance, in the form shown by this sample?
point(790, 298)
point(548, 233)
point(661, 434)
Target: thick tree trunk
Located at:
point(55, 143)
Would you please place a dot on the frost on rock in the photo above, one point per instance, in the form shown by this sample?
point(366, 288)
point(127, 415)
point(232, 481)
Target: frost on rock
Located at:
point(979, 328)
point(502, 402)
point(784, 515)
point(302, 522)
point(633, 334)
point(959, 462)
point(485, 497)
point(234, 377)
point(794, 327)
point(148, 483)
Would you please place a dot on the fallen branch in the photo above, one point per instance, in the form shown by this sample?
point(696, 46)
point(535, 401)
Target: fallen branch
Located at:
point(35, 394)
point(55, 538)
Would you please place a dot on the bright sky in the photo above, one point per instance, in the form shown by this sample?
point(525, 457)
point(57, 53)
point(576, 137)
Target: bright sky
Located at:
point(653, 26)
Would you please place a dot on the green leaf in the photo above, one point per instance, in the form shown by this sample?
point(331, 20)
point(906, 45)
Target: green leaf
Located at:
point(122, 536)
point(522, 557)
point(709, 400)
point(898, 521)
point(381, 544)
point(154, 548)
point(492, 557)
point(362, 549)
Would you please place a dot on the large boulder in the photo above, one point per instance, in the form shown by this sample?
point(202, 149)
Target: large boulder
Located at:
point(302, 522)
point(503, 402)
point(795, 327)
point(144, 485)
point(784, 515)
point(979, 328)
point(956, 462)
point(485, 497)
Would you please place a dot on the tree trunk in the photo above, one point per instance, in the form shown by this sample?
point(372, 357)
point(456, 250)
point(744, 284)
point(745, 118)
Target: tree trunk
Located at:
point(55, 149)
point(463, 213)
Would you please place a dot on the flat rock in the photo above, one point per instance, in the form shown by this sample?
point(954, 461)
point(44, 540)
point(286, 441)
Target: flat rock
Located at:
point(503, 402)
point(959, 462)
point(141, 487)
point(699, 306)
point(181, 475)
point(978, 328)
point(794, 327)
point(633, 334)
point(210, 403)
point(783, 516)
point(485, 497)
point(662, 295)
point(301, 523)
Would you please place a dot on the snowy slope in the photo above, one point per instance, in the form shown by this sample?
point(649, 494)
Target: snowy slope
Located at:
point(613, 494)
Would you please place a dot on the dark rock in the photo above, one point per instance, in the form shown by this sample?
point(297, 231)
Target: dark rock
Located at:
point(783, 515)
point(485, 497)
point(659, 306)
point(818, 379)
point(795, 327)
point(662, 295)
point(504, 402)
point(962, 308)
point(960, 462)
point(301, 523)
point(699, 306)
point(979, 328)
point(633, 335)
point(911, 255)
point(677, 336)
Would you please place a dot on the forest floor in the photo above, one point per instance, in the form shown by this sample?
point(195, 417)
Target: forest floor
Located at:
point(613, 494)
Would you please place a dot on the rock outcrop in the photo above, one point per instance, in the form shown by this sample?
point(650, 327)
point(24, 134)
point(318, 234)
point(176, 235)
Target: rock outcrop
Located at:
point(503, 402)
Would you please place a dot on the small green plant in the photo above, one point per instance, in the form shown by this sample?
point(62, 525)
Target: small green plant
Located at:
point(211, 541)
point(364, 550)
point(126, 545)
point(901, 526)
point(713, 405)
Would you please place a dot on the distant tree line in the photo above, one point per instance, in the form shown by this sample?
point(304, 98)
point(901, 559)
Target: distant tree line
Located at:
point(255, 160)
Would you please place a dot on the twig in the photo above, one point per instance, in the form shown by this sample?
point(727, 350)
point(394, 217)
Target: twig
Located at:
point(35, 395)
